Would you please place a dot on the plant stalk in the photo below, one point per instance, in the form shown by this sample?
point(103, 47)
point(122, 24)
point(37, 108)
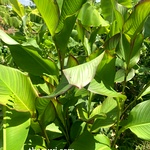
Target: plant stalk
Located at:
point(137, 97)
point(118, 122)
point(45, 134)
point(89, 103)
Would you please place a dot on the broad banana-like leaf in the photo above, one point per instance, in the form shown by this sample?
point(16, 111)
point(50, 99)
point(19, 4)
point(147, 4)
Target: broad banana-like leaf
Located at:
point(58, 108)
point(120, 75)
point(89, 16)
point(83, 74)
point(18, 8)
point(126, 3)
point(7, 39)
point(67, 20)
point(100, 88)
point(104, 140)
point(108, 107)
point(83, 114)
point(147, 28)
point(139, 120)
point(4, 2)
point(28, 58)
point(69, 8)
point(130, 51)
point(135, 22)
point(60, 2)
point(62, 87)
point(112, 14)
point(50, 13)
point(87, 141)
point(16, 126)
point(106, 69)
point(46, 111)
point(147, 91)
point(16, 90)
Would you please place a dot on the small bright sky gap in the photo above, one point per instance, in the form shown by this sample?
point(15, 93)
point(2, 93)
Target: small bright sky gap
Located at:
point(27, 2)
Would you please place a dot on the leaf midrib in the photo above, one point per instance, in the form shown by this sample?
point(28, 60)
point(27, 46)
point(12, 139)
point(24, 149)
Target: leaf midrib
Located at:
point(15, 95)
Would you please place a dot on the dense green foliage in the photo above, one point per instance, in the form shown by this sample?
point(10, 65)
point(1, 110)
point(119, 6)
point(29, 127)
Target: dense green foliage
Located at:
point(74, 74)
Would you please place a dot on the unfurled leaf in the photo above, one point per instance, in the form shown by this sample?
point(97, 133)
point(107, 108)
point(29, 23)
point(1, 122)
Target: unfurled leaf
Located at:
point(126, 3)
point(16, 126)
point(28, 59)
point(106, 69)
point(109, 107)
point(83, 114)
point(102, 89)
point(50, 13)
point(62, 87)
point(137, 18)
point(7, 39)
point(89, 16)
point(46, 111)
point(83, 74)
point(111, 13)
point(120, 75)
point(18, 8)
point(16, 90)
point(147, 28)
point(69, 8)
point(139, 120)
point(129, 51)
point(87, 141)
point(67, 20)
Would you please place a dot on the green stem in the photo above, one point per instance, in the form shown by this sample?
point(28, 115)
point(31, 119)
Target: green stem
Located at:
point(137, 97)
point(124, 82)
point(89, 103)
point(44, 134)
point(60, 56)
point(118, 122)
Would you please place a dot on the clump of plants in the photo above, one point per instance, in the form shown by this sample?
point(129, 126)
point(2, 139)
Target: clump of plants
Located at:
point(75, 75)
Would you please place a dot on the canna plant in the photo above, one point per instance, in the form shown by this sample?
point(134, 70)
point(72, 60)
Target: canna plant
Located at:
point(68, 84)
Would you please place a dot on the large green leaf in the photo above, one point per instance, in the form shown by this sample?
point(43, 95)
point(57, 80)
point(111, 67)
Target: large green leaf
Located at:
point(108, 107)
point(15, 129)
point(147, 28)
point(126, 3)
point(83, 74)
point(18, 8)
point(63, 87)
point(89, 16)
point(67, 20)
point(83, 114)
point(120, 75)
point(102, 89)
point(28, 59)
point(50, 13)
point(112, 11)
point(136, 20)
point(7, 39)
point(88, 142)
point(46, 111)
point(69, 8)
point(129, 51)
point(106, 69)
point(16, 90)
point(139, 120)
